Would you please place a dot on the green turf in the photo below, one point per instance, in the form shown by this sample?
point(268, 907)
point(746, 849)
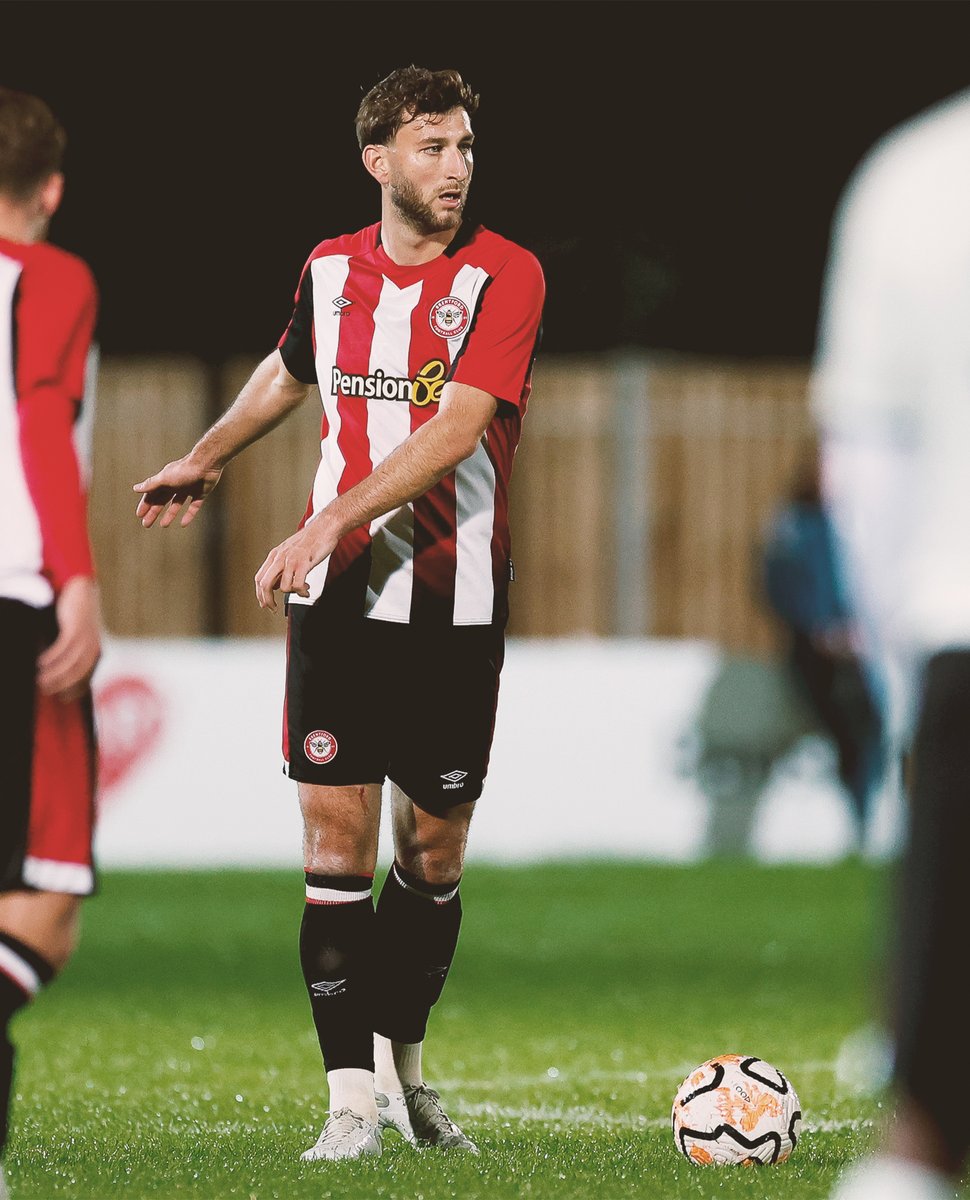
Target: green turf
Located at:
point(176, 1056)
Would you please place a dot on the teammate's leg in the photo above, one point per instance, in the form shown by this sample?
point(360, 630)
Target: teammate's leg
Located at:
point(38, 933)
point(418, 920)
point(46, 824)
point(341, 826)
point(928, 1141)
point(930, 1005)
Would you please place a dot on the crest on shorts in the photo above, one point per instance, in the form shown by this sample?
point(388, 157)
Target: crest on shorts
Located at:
point(449, 317)
point(320, 746)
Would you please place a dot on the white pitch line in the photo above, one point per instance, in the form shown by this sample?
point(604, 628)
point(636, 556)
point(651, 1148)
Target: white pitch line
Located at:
point(546, 1114)
point(565, 1076)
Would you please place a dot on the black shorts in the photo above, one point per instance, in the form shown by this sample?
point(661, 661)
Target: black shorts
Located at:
point(47, 756)
point(368, 700)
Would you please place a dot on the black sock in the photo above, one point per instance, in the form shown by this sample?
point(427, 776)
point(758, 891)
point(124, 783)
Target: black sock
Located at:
point(23, 972)
point(417, 932)
point(930, 991)
point(336, 953)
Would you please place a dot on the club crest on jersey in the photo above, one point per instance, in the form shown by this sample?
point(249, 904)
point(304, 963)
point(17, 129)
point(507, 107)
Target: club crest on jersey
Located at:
point(423, 389)
point(320, 746)
point(449, 317)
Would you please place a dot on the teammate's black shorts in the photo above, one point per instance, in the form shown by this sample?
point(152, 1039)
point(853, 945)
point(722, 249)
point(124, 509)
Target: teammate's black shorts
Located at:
point(368, 700)
point(48, 761)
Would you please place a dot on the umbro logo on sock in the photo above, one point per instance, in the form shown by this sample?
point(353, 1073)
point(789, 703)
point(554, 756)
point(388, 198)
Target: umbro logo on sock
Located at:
point(329, 987)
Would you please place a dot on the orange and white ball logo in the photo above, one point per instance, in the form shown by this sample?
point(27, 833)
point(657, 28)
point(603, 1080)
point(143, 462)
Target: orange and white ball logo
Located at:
point(449, 317)
point(320, 746)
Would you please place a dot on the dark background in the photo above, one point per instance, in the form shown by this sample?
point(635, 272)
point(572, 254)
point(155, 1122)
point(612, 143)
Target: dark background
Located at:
point(675, 164)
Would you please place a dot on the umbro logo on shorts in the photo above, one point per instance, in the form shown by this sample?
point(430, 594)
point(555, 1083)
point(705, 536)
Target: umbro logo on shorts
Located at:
point(328, 987)
point(454, 779)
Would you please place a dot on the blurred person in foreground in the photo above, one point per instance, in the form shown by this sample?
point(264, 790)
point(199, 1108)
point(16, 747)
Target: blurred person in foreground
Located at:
point(49, 615)
point(893, 399)
point(420, 331)
point(802, 581)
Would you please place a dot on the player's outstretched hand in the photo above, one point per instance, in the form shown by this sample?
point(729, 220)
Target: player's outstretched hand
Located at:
point(287, 565)
point(179, 482)
point(65, 667)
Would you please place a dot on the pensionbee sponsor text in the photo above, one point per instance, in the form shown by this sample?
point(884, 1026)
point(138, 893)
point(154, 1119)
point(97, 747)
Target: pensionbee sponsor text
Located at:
point(424, 389)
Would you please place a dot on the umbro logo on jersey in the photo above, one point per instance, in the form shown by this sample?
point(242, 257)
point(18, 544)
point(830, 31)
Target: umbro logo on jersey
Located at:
point(454, 779)
point(329, 987)
point(340, 304)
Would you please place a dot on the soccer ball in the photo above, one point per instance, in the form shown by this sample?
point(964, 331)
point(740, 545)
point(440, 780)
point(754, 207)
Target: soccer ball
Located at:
point(736, 1109)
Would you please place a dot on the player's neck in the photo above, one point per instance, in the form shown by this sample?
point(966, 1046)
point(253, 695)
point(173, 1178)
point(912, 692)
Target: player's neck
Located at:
point(20, 224)
point(409, 248)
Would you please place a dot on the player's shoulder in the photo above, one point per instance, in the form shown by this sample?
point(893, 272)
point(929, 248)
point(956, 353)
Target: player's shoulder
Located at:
point(501, 251)
point(501, 256)
point(914, 161)
point(49, 263)
point(363, 241)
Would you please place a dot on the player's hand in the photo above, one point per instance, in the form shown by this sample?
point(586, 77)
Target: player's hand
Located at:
point(179, 482)
point(286, 566)
point(65, 667)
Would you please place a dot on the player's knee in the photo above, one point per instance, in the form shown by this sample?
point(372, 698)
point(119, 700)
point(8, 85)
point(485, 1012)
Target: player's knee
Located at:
point(63, 930)
point(437, 864)
point(432, 848)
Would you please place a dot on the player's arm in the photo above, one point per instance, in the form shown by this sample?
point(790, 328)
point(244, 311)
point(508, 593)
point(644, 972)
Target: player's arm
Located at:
point(56, 313)
point(269, 396)
point(410, 470)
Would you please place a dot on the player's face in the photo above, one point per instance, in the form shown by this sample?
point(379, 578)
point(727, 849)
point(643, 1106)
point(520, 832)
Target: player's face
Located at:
point(430, 170)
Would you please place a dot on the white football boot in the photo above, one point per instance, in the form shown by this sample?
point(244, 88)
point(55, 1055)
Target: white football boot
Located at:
point(346, 1134)
point(885, 1178)
point(430, 1123)
point(392, 1113)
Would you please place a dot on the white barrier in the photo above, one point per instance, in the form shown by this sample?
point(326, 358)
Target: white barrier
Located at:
point(585, 761)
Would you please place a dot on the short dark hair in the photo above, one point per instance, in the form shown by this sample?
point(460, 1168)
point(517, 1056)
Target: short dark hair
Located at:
point(32, 143)
point(406, 92)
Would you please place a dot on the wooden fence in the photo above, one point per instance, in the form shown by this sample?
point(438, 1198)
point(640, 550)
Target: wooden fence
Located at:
point(640, 490)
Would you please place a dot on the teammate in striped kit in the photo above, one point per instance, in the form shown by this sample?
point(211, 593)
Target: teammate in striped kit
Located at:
point(49, 620)
point(420, 332)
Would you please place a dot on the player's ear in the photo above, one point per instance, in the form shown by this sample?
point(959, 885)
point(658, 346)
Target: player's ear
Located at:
point(50, 193)
point(375, 162)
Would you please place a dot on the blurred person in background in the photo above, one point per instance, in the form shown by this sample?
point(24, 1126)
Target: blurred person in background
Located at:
point(802, 582)
point(50, 634)
point(420, 331)
point(893, 399)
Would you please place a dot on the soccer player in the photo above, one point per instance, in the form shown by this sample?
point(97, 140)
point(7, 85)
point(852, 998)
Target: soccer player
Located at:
point(893, 397)
point(420, 332)
point(49, 619)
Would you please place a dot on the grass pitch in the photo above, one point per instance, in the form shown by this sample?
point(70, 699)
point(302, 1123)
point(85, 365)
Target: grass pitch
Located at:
point(176, 1055)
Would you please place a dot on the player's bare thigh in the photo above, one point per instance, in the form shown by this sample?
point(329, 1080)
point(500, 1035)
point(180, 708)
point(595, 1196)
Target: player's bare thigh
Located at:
point(340, 828)
point(430, 847)
point(45, 921)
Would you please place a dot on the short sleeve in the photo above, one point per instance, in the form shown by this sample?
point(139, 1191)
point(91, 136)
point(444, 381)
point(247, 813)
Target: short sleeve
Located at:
point(503, 339)
point(296, 345)
point(54, 323)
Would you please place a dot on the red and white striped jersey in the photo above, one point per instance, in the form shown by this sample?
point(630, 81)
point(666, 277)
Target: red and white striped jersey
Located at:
point(48, 307)
point(381, 340)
